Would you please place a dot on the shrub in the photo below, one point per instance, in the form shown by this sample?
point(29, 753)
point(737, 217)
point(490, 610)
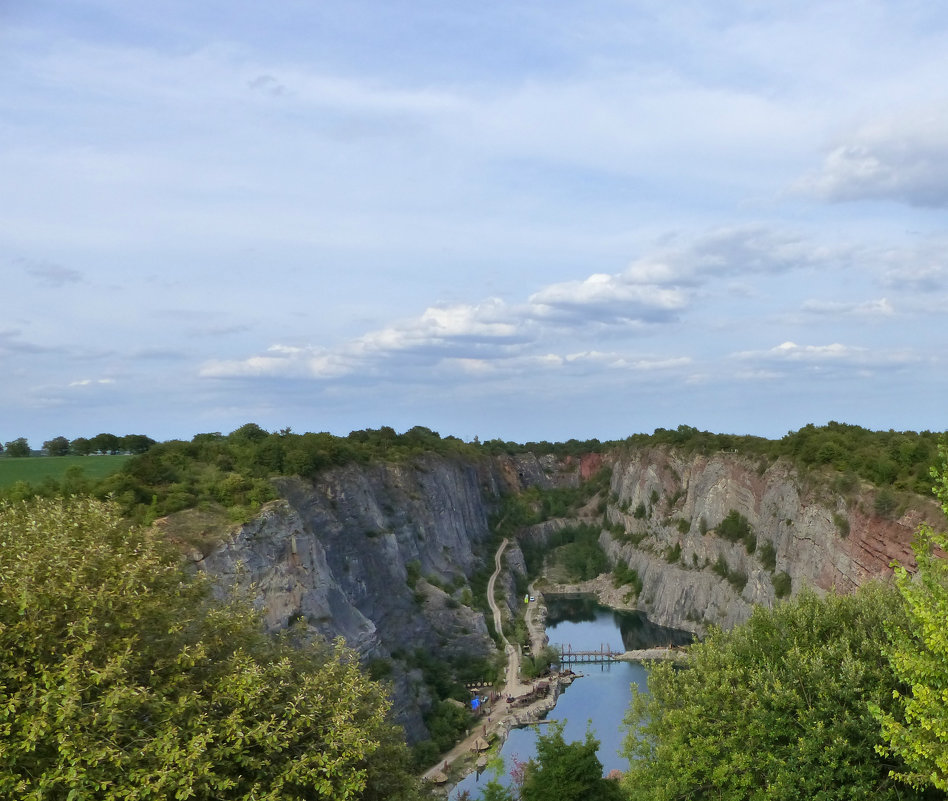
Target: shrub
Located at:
point(782, 584)
point(768, 556)
point(842, 524)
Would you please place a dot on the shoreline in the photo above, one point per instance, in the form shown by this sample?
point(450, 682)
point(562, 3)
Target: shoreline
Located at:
point(504, 716)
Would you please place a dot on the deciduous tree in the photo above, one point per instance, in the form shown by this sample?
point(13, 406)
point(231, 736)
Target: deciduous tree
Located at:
point(121, 677)
point(57, 446)
point(18, 447)
point(775, 709)
point(565, 771)
point(917, 730)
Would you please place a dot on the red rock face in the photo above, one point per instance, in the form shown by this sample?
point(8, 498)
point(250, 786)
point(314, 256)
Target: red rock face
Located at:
point(589, 465)
point(875, 543)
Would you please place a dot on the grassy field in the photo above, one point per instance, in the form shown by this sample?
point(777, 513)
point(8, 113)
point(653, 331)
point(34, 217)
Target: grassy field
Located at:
point(33, 469)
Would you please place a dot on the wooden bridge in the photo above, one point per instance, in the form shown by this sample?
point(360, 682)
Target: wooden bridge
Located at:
point(568, 656)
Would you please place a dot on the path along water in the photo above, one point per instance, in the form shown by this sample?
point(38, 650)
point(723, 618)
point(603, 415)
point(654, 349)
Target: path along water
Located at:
point(601, 697)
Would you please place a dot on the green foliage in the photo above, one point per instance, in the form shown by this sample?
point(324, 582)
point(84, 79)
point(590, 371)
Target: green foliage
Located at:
point(640, 511)
point(917, 730)
point(684, 526)
point(57, 446)
point(539, 664)
point(122, 678)
point(735, 527)
point(495, 791)
point(623, 575)
point(564, 771)
point(575, 551)
point(673, 554)
point(775, 709)
point(18, 448)
point(412, 573)
point(901, 459)
point(768, 556)
point(842, 524)
point(885, 503)
point(782, 584)
point(447, 723)
point(736, 578)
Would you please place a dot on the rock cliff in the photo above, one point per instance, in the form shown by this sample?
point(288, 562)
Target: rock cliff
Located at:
point(664, 511)
point(383, 554)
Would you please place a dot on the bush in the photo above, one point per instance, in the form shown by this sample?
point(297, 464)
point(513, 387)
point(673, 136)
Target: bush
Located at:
point(842, 524)
point(782, 584)
point(768, 556)
point(885, 503)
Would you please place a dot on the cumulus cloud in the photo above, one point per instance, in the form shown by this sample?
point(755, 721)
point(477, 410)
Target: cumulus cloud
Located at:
point(903, 159)
point(494, 337)
point(608, 298)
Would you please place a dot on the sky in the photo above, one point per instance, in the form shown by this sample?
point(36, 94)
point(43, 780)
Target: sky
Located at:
point(517, 219)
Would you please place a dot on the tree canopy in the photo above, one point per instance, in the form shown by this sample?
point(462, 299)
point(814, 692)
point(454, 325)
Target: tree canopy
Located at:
point(122, 677)
point(565, 771)
point(778, 708)
point(917, 730)
point(18, 447)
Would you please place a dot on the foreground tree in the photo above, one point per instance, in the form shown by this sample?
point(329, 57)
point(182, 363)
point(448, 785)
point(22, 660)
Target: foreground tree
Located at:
point(565, 771)
point(120, 677)
point(917, 730)
point(776, 709)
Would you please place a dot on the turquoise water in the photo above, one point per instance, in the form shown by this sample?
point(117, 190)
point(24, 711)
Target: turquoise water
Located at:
point(601, 697)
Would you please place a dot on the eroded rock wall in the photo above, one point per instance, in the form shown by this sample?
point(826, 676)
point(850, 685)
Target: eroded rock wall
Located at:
point(819, 539)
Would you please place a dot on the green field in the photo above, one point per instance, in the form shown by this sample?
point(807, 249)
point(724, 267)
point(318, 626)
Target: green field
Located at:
point(33, 469)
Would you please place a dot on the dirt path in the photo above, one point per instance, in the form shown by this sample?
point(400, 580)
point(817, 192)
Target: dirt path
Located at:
point(502, 716)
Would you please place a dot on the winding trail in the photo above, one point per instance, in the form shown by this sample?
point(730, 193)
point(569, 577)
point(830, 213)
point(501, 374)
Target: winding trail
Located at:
point(501, 712)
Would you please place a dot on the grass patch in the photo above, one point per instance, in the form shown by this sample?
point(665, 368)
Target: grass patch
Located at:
point(35, 469)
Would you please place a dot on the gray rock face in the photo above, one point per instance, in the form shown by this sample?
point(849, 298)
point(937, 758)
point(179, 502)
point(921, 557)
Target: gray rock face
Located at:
point(378, 554)
point(802, 525)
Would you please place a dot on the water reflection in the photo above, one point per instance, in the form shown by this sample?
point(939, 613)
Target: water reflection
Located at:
point(578, 620)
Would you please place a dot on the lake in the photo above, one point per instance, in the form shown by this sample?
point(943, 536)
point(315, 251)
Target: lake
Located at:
point(601, 697)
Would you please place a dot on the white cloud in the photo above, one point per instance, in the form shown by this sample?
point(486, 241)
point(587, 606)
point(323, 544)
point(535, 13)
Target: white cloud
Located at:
point(608, 298)
point(903, 158)
point(91, 382)
point(834, 354)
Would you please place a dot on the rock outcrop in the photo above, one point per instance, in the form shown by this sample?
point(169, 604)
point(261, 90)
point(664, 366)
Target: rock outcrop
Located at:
point(663, 516)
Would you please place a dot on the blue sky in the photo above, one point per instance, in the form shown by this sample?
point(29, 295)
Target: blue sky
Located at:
point(517, 219)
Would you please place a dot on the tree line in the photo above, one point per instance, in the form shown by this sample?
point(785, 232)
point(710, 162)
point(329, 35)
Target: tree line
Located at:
point(104, 443)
